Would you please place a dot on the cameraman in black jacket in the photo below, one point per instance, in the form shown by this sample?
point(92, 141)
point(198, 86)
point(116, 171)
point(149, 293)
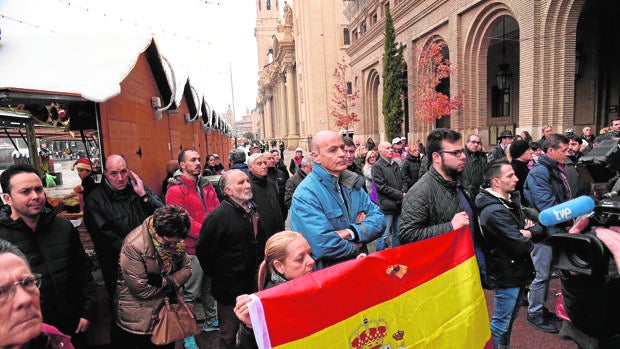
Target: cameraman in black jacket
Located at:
point(593, 301)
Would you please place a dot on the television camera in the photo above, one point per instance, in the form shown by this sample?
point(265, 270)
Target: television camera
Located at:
point(585, 253)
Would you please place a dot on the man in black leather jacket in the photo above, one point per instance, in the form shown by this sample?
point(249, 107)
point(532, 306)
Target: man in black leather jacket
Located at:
point(121, 203)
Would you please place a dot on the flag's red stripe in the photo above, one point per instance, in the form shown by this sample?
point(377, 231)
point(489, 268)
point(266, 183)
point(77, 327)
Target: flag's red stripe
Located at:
point(305, 306)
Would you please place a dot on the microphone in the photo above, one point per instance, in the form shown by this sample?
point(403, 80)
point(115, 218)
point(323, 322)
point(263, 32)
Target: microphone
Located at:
point(566, 211)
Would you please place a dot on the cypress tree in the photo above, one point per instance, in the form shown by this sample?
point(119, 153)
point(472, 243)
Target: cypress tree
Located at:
point(393, 65)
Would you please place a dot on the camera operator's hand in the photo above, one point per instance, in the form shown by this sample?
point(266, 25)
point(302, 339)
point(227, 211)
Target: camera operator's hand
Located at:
point(611, 238)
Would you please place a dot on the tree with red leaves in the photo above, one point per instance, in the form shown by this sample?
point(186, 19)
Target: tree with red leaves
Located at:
point(343, 98)
point(432, 68)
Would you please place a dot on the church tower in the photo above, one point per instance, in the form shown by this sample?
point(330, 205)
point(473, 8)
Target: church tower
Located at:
point(267, 19)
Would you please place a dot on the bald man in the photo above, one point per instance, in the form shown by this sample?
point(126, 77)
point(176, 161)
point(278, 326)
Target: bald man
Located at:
point(112, 210)
point(331, 209)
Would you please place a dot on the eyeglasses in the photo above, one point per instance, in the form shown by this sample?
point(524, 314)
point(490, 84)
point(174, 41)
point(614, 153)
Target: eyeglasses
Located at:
point(29, 283)
point(83, 170)
point(475, 142)
point(456, 153)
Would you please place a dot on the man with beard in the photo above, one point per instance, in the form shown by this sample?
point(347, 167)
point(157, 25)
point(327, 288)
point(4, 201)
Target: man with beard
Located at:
point(197, 196)
point(230, 247)
point(331, 209)
point(117, 206)
point(578, 185)
point(53, 247)
point(265, 193)
point(437, 204)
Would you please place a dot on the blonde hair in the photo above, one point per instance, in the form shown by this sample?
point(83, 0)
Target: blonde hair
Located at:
point(369, 154)
point(275, 250)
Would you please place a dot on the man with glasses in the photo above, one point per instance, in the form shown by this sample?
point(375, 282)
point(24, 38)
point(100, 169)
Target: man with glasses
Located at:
point(21, 323)
point(475, 161)
point(437, 204)
point(113, 209)
point(546, 186)
point(52, 245)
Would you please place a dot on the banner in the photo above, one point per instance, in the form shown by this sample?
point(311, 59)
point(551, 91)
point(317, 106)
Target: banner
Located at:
point(420, 295)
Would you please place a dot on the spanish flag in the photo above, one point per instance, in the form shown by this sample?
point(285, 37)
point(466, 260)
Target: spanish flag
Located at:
point(421, 295)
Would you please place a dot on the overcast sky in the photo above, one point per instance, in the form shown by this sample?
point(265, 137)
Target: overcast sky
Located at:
point(207, 38)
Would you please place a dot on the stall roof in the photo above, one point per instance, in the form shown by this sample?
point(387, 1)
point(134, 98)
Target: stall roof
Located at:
point(88, 66)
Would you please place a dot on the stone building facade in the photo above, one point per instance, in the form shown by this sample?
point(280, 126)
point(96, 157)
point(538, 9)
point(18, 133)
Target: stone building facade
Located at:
point(560, 57)
point(298, 52)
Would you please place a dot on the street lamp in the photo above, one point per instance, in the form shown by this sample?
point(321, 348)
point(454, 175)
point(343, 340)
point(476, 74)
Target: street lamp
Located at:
point(504, 76)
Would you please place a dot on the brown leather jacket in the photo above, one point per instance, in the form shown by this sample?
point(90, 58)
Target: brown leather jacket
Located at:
point(137, 303)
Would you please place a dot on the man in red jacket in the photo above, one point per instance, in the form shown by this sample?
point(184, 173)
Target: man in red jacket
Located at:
point(196, 195)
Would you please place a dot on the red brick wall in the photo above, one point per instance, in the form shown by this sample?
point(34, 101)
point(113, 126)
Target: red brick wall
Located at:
point(127, 125)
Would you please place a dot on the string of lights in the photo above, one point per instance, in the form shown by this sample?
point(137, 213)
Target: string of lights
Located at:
point(135, 23)
point(27, 23)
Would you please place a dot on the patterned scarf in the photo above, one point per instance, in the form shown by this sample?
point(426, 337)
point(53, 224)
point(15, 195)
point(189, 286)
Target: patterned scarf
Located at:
point(168, 257)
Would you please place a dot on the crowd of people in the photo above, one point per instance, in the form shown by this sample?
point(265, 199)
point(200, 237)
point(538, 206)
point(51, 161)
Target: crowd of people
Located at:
point(219, 243)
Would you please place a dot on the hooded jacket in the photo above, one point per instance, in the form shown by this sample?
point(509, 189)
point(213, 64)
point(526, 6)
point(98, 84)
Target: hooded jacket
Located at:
point(506, 250)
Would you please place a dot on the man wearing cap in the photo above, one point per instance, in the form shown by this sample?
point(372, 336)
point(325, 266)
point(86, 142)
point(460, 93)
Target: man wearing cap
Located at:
point(85, 171)
point(296, 161)
point(521, 156)
point(255, 147)
point(503, 140)
point(397, 147)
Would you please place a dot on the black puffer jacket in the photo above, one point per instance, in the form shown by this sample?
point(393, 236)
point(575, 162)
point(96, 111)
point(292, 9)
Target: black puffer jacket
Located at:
point(506, 250)
point(410, 170)
point(55, 251)
point(229, 251)
point(265, 195)
point(390, 187)
point(471, 177)
point(428, 208)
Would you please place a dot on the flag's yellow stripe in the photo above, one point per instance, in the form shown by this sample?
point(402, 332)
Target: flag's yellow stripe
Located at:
point(448, 311)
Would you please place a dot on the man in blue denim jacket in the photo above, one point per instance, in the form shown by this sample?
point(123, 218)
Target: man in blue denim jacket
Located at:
point(331, 209)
